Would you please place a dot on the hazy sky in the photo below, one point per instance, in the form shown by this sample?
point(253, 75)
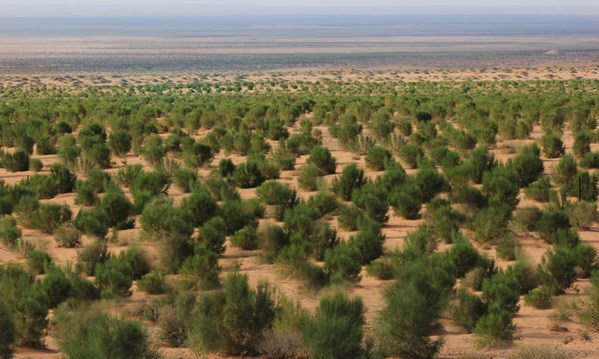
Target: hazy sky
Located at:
point(273, 7)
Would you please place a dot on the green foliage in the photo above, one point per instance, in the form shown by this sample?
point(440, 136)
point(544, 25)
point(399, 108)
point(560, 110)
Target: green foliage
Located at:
point(93, 254)
point(16, 162)
point(557, 269)
point(160, 219)
point(539, 298)
point(201, 205)
point(502, 184)
point(463, 256)
point(9, 232)
point(479, 161)
point(539, 190)
point(351, 177)
point(551, 221)
point(38, 261)
point(248, 175)
point(490, 223)
point(120, 142)
point(308, 177)
point(322, 159)
point(373, 201)
point(174, 250)
point(588, 310)
point(342, 263)
point(336, 329)
point(114, 278)
point(564, 173)
point(153, 283)
point(467, 309)
point(378, 158)
point(582, 143)
point(201, 270)
point(430, 182)
point(411, 154)
point(553, 146)
point(49, 217)
point(246, 239)
point(116, 206)
point(136, 259)
point(503, 291)
point(56, 286)
point(406, 202)
point(7, 332)
point(92, 222)
point(89, 333)
point(494, 328)
point(184, 179)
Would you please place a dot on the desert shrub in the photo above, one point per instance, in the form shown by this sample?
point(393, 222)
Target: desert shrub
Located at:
point(588, 309)
point(174, 250)
point(98, 155)
point(336, 329)
point(506, 248)
point(248, 175)
point(490, 223)
point(89, 333)
point(120, 142)
point(430, 182)
point(503, 291)
point(539, 190)
point(56, 286)
point(381, 269)
point(153, 283)
point(324, 238)
point(527, 218)
point(212, 235)
point(502, 185)
point(308, 178)
point(50, 216)
point(201, 205)
point(136, 259)
point(583, 215)
point(393, 178)
point(68, 151)
point(127, 175)
point(35, 165)
point(98, 180)
point(324, 202)
point(184, 178)
point(272, 239)
point(348, 217)
point(564, 172)
point(114, 278)
point(161, 219)
point(527, 165)
point(235, 215)
point(582, 143)
point(373, 201)
point(585, 186)
point(406, 203)
point(91, 134)
point(479, 161)
point(197, 155)
point(67, 235)
point(467, 309)
point(464, 257)
point(92, 222)
point(590, 160)
point(540, 297)
point(9, 232)
point(7, 332)
point(551, 221)
point(16, 162)
point(6, 204)
point(494, 328)
point(246, 239)
point(226, 167)
point(410, 315)
point(351, 177)
point(322, 159)
point(378, 158)
point(91, 255)
point(557, 269)
point(342, 263)
point(410, 154)
point(201, 270)
point(301, 144)
point(38, 261)
point(553, 146)
point(154, 182)
point(525, 274)
point(46, 146)
point(369, 241)
point(586, 259)
point(116, 206)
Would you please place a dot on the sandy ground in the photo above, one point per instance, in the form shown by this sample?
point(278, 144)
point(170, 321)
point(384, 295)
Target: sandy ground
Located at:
point(533, 324)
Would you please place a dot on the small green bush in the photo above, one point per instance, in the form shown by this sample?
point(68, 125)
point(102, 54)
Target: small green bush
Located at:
point(93, 254)
point(184, 178)
point(351, 177)
point(116, 206)
point(553, 146)
point(114, 278)
point(539, 298)
point(322, 159)
point(153, 283)
point(246, 239)
point(551, 221)
point(467, 309)
point(539, 190)
point(378, 158)
point(564, 173)
point(503, 291)
point(308, 178)
point(494, 328)
point(406, 203)
point(50, 216)
point(201, 205)
point(38, 261)
point(7, 332)
point(248, 175)
point(67, 235)
point(120, 142)
point(557, 269)
point(92, 222)
point(342, 263)
point(16, 162)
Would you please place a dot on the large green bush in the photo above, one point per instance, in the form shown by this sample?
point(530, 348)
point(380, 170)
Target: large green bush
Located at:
point(322, 159)
point(351, 177)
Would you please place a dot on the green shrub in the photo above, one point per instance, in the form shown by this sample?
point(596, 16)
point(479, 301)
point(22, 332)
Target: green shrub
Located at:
point(586, 259)
point(212, 235)
point(116, 206)
point(174, 250)
point(539, 298)
point(226, 167)
point(342, 263)
point(93, 254)
point(184, 179)
point(7, 332)
point(153, 283)
point(591, 160)
point(308, 178)
point(120, 142)
point(490, 223)
point(35, 165)
point(430, 182)
point(92, 222)
point(553, 146)
point(463, 256)
point(502, 184)
point(527, 165)
point(154, 182)
point(86, 195)
point(406, 203)
point(584, 186)
point(91, 134)
point(583, 215)
point(89, 333)
point(98, 155)
point(582, 143)
point(126, 176)
point(373, 201)
point(324, 202)
point(494, 328)
point(322, 159)
point(246, 239)
point(50, 216)
point(201, 205)
point(16, 162)
point(9, 232)
point(336, 329)
point(324, 238)
point(38, 261)
point(551, 221)
point(525, 274)
point(236, 215)
point(506, 248)
point(381, 269)
point(197, 155)
point(564, 173)
point(67, 235)
point(248, 175)
point(272, 239)
point(467, 309)
point(160, 219)
point(378, 158)
point(136, 259)
point(503, 291)
point(369, 241)
point(46, 146)
point(531, 352)
point(539, 190)
point(114, 278)
point(588, 310)
point(479, 161)
point(201, 270)
point(56, 286)
point(557, 269)
point(527, 218)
